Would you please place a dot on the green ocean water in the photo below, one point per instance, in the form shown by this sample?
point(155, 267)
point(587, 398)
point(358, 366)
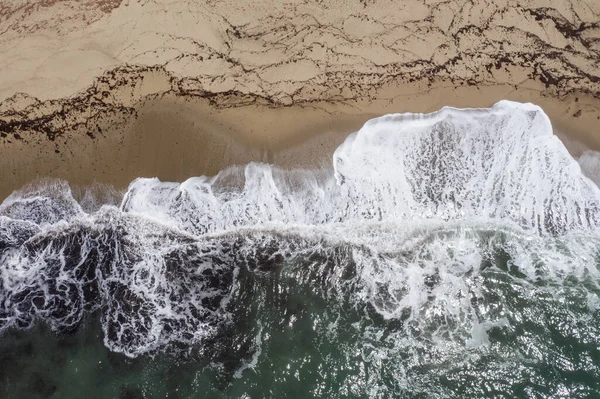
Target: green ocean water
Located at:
point(296, 342)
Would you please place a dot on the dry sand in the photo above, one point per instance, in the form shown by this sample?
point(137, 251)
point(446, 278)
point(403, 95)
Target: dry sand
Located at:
point(108, 91)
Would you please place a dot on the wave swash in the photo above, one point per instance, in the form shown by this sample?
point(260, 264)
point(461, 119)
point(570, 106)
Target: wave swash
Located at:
point(437, 248)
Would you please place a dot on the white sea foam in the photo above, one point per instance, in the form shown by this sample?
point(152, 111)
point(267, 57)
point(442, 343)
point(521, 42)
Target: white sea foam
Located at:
point(502, 163)
point(412, 211)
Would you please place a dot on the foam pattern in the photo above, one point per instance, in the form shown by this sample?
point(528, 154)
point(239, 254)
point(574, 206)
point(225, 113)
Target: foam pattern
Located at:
point(413, 209)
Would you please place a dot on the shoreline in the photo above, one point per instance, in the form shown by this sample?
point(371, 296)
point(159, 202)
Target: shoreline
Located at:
point(173, 137)
point(109, 91)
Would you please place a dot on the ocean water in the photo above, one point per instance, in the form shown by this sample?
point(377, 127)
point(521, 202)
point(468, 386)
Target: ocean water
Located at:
point(447, 255)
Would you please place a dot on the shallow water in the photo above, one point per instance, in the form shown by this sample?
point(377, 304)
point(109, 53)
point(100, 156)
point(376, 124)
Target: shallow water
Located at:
point(453, 254)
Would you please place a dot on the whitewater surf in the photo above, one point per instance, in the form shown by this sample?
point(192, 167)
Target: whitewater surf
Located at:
point(439, 254)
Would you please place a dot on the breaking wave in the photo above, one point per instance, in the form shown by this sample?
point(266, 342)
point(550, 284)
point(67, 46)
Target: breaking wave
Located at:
point(438, 245)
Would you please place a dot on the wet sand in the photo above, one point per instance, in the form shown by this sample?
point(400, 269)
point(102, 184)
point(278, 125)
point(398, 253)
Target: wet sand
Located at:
point(174, 138)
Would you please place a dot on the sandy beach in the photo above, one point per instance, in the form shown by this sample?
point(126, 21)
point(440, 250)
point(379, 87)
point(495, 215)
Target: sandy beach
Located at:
point(109, 91)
